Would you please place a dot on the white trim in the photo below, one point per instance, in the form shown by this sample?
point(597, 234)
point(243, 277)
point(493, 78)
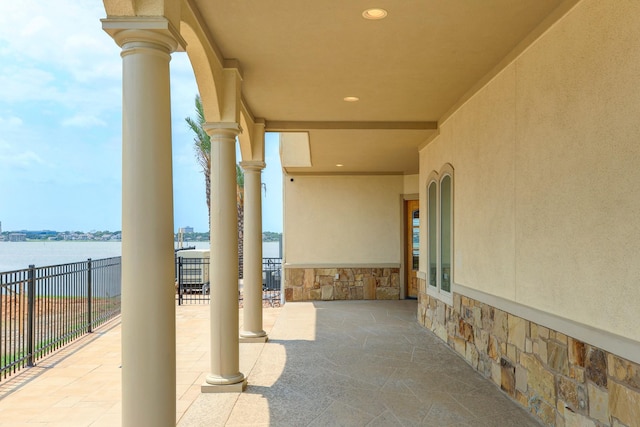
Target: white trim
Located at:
point(445, 297)
point(445, 171)
point(608, 341)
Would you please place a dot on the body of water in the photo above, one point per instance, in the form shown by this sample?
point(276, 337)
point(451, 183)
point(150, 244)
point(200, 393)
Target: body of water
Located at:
point(19, 255)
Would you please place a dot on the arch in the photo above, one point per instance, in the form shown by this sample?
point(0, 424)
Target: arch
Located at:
point(120, 7)
point(205, 63)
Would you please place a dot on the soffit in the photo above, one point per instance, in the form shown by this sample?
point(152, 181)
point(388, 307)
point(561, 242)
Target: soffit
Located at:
point(301, 58)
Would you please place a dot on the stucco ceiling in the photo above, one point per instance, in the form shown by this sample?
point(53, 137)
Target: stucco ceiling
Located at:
point(301, 58)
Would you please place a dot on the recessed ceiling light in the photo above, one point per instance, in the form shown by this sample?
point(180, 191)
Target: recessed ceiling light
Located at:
point(339, 165)
point(374, 14)
point(351, 98)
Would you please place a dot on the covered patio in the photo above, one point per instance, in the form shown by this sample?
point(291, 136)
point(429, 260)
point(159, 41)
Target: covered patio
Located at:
point(356, 363)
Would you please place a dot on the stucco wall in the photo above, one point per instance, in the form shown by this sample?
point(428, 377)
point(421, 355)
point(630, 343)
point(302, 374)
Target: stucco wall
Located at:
point(547, 173)
point(342, 219)
point(411, 184)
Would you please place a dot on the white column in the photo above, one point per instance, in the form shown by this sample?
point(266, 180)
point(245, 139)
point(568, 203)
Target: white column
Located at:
point(148, 294)
point(225, 373)
point(252, 323)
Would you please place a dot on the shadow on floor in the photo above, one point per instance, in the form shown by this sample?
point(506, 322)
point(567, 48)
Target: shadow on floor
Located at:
point(358, 363)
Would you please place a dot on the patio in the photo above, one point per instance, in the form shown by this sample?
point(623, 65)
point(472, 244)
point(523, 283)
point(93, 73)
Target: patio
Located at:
point(326, 363)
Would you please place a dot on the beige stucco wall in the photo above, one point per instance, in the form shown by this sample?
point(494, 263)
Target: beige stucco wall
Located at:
point(342, 219)
point(547, 173)
point(411, 184)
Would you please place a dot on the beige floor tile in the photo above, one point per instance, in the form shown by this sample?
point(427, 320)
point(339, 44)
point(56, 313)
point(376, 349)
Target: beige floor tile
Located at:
point(326, 363)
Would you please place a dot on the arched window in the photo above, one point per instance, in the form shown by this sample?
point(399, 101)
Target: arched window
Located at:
point(440, 233)
point(432, 230)
point(446, 202)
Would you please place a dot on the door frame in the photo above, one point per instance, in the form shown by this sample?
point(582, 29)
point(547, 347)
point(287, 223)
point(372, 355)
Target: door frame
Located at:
point(404, 279)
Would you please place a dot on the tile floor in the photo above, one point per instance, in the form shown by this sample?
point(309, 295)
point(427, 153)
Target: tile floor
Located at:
point(358, 363)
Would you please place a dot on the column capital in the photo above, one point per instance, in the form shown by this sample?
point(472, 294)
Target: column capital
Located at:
point(252, 165)
point(139, 29)
point(230, 129)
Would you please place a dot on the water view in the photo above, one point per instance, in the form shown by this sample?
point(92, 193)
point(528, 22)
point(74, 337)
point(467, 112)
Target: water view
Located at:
point(19, 255)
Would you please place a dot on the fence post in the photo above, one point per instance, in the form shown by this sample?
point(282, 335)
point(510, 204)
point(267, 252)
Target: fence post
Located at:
point(179, 280)
point(31, 299)
point(89, 297)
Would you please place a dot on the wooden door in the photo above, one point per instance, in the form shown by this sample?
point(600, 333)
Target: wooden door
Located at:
point(412, 239)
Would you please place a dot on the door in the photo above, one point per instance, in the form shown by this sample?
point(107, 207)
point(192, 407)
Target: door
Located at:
point(412, 225)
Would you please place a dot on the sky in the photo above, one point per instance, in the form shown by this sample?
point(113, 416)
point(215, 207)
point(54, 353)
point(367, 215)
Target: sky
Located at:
point(61, 125)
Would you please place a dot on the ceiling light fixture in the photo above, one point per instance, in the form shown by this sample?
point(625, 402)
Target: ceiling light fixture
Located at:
point(339, 165)
point(351, 98)
point(374, 14)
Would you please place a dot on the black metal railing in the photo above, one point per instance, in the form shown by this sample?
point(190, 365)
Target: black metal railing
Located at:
point(45, 308)
point(271, 281)
point(194, 287)
point(192, 280)
point(271, 271)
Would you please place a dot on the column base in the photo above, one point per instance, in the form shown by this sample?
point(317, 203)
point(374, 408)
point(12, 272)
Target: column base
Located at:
point(248, 336)
point(253, 339)
point(224, 388)
point(218, 384)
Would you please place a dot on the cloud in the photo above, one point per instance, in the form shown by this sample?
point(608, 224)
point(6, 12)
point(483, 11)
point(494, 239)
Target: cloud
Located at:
point(22, 160)
point(11, 121)
point(37, 25)
point(55, 32)
point(81, 120)
point(57, 52)
point(20, 84)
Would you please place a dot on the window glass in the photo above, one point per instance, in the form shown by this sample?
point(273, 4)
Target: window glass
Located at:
point(445, 233)
point(432, 234)
point(415, 241)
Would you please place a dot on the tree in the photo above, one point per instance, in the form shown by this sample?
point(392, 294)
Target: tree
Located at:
point(202, 147)
point(240, 208)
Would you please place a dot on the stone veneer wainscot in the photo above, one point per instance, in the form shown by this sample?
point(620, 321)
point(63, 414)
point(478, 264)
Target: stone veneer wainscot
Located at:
point(341, 283)
point(561, 380)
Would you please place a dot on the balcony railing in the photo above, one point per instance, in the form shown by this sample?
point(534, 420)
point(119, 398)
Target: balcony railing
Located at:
point(44, 308)
point(194, 287)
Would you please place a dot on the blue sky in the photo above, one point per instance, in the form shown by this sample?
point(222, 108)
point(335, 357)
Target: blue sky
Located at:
point(60, 125)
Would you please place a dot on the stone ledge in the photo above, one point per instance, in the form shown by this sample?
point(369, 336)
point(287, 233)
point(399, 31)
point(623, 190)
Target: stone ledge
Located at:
point(558, 378)
point(612, 343)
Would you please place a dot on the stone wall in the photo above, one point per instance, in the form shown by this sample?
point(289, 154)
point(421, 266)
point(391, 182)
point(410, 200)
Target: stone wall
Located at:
point(324, 284)
point(559, 379)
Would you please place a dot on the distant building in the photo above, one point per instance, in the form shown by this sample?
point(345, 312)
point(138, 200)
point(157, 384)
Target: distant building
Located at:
point(17, 237)
point(185, 230)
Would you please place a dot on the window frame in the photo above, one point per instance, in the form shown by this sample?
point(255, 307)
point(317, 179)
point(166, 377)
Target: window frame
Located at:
point(437, 178)
point(431, 234)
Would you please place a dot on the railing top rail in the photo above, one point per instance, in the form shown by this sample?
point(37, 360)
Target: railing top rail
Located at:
point(81, 264)
point(13, 271)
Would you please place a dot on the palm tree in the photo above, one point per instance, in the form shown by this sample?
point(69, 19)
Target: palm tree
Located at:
point(240, 208)
point(202, 147)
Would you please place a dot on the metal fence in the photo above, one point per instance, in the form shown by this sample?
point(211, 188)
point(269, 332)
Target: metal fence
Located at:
point(192, 280)
point(44, 308)
point(194, 287)
point(271, 281)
